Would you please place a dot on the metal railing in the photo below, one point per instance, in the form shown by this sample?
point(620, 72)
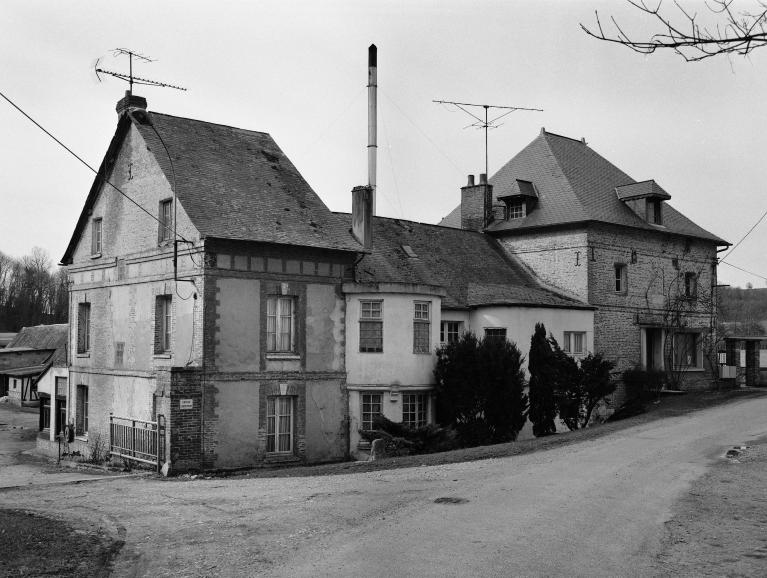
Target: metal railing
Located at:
point(135, 439)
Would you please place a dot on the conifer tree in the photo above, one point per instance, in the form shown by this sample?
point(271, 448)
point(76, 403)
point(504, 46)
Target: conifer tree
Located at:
point(542, 368)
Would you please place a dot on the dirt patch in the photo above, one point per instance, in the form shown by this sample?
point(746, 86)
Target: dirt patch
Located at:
point(718, 528)
point(32, 545)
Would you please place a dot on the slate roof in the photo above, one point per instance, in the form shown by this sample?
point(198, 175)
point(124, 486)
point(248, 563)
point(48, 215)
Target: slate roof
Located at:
point(51, 337)
point(233, 183)
point(575, 184)
point(471, 266)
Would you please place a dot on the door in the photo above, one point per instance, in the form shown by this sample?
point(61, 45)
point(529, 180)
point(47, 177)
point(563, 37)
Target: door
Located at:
point(653, 348)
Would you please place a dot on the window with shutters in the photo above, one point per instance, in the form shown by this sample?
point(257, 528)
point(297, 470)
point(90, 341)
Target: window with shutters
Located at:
point(279, 424)
point(83, 327)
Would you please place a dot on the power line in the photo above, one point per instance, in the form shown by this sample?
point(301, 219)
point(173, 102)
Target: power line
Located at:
point(79, 158)
point(744, 270)
point(735, 246)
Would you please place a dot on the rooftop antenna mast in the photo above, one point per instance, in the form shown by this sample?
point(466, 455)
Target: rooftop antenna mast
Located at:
point(485, 123)
point(129, 78)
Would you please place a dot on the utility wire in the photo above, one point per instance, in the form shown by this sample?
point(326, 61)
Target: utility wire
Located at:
point(744, 270)
point(735, 246)
point(74, 154)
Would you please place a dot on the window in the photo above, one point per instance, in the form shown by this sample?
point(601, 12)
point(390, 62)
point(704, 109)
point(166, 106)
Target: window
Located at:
point(81, 427)
point(163, 324)
point(515, 210)
point(165, 230)
point(61, 415)
point(690, 285)
point(279, 424)
point(574, 342)
point(280, 324)
point(449, 331)
point(83, 327)
point(96, 237)
point(371, 326)
point(621, 278)
point(685, 350)
point(421, 327)
point(45, 413)
point(371, 407)
point(414, 409)
point(119, 353)
point(654, 211)
point(498, 333)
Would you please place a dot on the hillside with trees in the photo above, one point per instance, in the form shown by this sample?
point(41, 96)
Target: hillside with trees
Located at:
point(32, 291)
point(743, 311)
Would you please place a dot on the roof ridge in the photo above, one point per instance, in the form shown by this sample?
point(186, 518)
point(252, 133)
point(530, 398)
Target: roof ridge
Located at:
point(418, 223)
point(578, 140)
point(151, 112)
point(562, 170)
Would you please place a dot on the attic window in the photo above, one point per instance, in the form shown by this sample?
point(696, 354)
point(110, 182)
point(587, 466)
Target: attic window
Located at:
point(654, 210)
point(409, 251)
point(516, 209)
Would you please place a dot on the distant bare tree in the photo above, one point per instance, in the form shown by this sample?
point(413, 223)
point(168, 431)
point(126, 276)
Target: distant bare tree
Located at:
point(731, 32)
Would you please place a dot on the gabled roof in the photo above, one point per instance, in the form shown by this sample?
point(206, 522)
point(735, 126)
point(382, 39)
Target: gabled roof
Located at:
point(49, 337)
point(575, 185)
point(233, 183)
point(471, 266)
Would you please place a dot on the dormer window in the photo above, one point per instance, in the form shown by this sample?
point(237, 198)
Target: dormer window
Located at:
point(516, 209)
point(654, 211)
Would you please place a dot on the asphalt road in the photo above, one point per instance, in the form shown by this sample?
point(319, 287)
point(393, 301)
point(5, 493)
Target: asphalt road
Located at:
point(596, 508)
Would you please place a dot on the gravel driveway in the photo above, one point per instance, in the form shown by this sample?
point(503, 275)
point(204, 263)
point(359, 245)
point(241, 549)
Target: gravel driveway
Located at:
point(592, 508)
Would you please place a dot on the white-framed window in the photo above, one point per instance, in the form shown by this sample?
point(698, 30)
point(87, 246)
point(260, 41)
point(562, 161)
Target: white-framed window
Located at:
point(621, 278)
point(690, 285)
point(371, 407)
point(495, 333)
point(96, 230)
point(685, 350)
point(574, 342)
point(516, 210)
point(163, 323)
point(83, 327)
point(45, 413)
point(81, 424)
point(280, 424)
point(165, 218)
point(280, 324)
point(415, 409)
point(450, 331)
point(371, 326)
point(421, 327)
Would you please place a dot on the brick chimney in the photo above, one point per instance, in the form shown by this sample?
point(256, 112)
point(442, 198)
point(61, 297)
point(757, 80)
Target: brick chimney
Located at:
point(362, 215)
point(476, 204)
point(129, 103)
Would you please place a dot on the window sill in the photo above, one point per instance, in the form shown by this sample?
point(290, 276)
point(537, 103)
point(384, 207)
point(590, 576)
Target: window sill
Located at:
point(96, 256)
point(689, 369)
point(381, 351)
point(162, 355)
point(283, 356)
point(281, 458)
point(86, 354)
point(81, 437)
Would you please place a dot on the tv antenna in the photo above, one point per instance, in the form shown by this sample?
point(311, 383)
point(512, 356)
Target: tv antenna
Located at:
point(129, 78)
point(485, 123)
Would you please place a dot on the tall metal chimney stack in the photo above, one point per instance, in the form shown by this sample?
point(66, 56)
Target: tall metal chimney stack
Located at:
point(372, 119)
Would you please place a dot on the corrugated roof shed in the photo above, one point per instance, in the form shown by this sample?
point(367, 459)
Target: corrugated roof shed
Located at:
point(472, 267)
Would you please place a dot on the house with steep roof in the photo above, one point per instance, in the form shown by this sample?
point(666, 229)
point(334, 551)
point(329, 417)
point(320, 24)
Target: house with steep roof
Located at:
point(583, 226)
point(33, 360)
point(205, 299)
point(419, 286)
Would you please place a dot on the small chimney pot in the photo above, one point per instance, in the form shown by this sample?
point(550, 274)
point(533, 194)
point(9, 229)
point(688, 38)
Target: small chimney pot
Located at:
point(471, 181)
point(129, 103)
point(483, 178)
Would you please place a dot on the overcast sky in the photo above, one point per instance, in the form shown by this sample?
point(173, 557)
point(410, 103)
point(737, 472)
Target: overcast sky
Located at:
point(298, 70)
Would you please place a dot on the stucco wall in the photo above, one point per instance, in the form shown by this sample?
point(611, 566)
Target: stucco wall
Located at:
point(236, 423)
point(396, 364)
point(325, 420)
point(238, 328)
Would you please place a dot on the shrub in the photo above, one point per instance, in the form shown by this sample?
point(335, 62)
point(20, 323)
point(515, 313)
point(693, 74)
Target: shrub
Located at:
point(480, 389)
point(642, 386)
point(542, 368)
point(400, 439)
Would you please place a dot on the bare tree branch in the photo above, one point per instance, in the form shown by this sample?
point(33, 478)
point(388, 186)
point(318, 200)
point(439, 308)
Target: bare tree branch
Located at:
point(735, 32)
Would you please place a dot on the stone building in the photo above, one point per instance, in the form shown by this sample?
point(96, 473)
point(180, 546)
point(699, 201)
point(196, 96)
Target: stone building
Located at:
point(586, 228)
point(206, 282)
